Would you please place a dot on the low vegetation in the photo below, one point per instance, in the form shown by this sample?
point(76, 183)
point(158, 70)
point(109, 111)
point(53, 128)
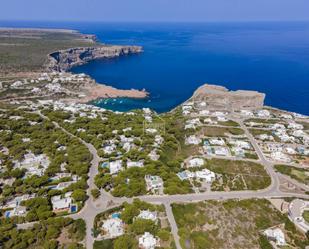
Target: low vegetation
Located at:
point(50, 234)
point(232, 224)
point(299, 174)
point(238, 175)
point(27, 50)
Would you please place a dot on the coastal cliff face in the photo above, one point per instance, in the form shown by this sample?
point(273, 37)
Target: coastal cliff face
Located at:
point(219, 97)
point(63, 60)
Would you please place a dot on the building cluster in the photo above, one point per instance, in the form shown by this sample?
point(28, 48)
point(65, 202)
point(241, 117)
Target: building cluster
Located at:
point(34, 164)
point(282, 138)
point(14, 205)
point(114, 227)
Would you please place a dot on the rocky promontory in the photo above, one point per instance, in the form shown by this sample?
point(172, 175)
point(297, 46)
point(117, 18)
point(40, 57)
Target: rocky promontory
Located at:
point(63, 60)
point(219, 97)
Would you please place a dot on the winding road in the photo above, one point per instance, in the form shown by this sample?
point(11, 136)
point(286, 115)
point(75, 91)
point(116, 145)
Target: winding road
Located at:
point(106, 201)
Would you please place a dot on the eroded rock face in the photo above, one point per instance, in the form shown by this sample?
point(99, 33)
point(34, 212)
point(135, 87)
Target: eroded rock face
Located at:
point(219, 97)
point(63, 60)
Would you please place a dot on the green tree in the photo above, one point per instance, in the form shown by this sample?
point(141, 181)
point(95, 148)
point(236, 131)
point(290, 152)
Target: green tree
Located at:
point(95, 193)
point(129, 213)
point(79, 195)
point(141, 226)
point(125, 242)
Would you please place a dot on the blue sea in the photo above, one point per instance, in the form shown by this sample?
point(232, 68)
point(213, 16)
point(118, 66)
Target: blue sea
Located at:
point(271, 57)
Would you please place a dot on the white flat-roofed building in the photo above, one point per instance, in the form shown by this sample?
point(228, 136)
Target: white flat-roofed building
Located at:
point(153, 155)
point(196, 162)
point(290, 150)
point(241, 144)
point(280, 156)
point(275, 235)
point(153, 183)
point(221, 151)
point(62, 203)
point(194, 140)
point(264, 137)
point(151, 130)
point(113, 227)
point(109, 149)
point(222, 119)
point(295, 126)
point(147, 241)
point(147, 215)
point(115, 166)
point(206, 175)
point(138, 164)
point(298, 133)
point(217, 141)
point(246, 113)
point(263, 113)
point(204, 113)
point(34, 164)
point(285, 116)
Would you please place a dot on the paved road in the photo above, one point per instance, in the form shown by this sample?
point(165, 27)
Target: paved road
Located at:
point(107, 201)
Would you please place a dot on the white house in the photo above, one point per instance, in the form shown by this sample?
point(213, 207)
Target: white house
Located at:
point(139, 164)
point(217, 141)
point(62, 204)
point(246, 113)
point(204, 113)
point(276, 235)
point(263, 113)
point(113, 227)
point(153, 155)
point(295, 126)
point(280, 156)
point(147, 215)
point(153, 183)
point(115, 166)
point(194, 140)
point(147, 241)
point(221, 151)
point(205, 175)
point(196, 162)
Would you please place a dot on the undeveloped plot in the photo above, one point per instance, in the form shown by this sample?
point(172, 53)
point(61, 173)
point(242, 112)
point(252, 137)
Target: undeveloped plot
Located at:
point(232, 224)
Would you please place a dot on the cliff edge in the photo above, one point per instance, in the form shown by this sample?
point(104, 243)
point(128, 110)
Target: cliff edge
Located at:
point(219, 97)
point(63, 60)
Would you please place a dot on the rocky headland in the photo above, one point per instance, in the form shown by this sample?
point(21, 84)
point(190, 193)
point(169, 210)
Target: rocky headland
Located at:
point(219, 97)
point(63, 60)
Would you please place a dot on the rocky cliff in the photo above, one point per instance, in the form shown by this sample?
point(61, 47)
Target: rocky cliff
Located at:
point(219, 97)
point(63, 60)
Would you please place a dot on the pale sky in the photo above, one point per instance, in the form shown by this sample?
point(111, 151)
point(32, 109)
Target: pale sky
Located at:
point(155, 10)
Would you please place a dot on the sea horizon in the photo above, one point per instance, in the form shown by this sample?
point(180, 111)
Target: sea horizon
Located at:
point(269, 56)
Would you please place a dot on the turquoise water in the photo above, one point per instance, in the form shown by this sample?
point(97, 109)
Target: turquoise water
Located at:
point(177, 58)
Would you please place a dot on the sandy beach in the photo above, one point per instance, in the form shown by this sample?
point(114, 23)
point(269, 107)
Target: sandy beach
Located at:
point(103, 91)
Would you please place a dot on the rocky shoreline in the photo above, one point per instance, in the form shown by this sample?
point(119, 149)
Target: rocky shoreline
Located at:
point(220, 98)
point(63, 60)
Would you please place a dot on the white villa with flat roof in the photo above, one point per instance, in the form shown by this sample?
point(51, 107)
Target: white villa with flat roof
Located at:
point(113, 227)
point(275, 235)
point(147, 215)
point(196, 162)
point(206, 175)
point(147, 241)
point(138, 164)
point(115, 166)
point(193, 140)
point(153, 183)
point(62, 203)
